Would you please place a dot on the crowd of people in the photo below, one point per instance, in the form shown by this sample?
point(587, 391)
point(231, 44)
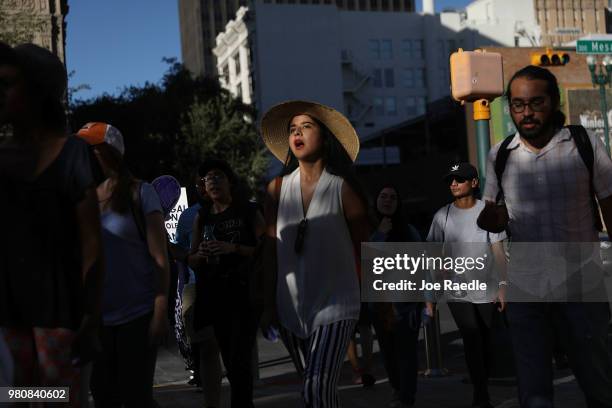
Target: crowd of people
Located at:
point(89, 281)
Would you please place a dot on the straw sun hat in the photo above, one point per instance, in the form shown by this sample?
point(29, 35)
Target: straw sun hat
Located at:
point(275, 126)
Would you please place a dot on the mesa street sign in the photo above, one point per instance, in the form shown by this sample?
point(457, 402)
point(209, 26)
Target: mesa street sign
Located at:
point(601, 45)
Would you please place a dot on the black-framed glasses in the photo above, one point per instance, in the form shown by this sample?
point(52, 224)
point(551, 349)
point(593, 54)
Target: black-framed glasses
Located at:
point(299, 238)
point(213, 178)
point(535, 105)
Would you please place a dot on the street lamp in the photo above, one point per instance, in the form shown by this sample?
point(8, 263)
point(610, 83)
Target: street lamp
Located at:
point(602, 75)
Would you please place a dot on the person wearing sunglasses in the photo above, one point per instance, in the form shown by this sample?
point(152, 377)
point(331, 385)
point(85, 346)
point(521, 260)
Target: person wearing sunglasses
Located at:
point(316, 216)
point(223, 242)
point(473, 310)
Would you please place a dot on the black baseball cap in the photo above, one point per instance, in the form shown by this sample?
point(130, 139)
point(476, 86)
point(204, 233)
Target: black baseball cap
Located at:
point(464, 170)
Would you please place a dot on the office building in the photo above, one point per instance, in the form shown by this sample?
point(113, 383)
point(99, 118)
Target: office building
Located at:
point(201, 21)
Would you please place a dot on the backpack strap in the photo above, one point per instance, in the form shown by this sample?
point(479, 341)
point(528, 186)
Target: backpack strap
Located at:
point(448, 207)
point(137, 214)
point(500, 164)
point(585, 150)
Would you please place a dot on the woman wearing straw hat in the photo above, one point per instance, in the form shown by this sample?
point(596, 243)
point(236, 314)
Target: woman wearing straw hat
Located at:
point(316, 217)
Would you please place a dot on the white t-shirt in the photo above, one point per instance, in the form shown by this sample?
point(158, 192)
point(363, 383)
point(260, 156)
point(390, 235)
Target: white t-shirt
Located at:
point(458, 226)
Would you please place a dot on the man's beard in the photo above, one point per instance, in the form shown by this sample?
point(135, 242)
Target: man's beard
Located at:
point(531, 134)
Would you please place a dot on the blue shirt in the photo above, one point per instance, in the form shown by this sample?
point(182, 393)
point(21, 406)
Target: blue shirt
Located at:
point(129, 289)
point(185, 226)
point(184, 230)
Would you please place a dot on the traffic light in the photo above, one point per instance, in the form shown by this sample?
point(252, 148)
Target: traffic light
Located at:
point(549, 58)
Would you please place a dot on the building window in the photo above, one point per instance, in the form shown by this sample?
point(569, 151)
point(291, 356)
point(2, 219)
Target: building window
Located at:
point(419, 78)
point(237, 61)
point(411, 106)
point(412, 48)
point(390, 106)
point(389, 78)
point(374, 47)
point(415, 105)
point(377, 78)
point(407, 47)
point(386, 49)
point(381, 49)
point(379, 108)
point(417, 49)
point(239, 91)
point(408, 78)
point(421, 105)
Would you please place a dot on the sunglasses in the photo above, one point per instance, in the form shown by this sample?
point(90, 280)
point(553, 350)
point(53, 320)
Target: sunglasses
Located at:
point(459, 180)
point(299, 238)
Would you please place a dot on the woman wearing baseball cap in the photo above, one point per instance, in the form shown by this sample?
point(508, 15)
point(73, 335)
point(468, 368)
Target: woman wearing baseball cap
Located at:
point(135, 301)
point(316, 216)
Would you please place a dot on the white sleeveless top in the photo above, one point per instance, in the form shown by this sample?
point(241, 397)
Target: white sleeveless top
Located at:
point(319, 286)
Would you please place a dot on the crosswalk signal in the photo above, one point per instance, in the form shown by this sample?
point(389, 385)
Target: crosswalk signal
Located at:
point(549, 58)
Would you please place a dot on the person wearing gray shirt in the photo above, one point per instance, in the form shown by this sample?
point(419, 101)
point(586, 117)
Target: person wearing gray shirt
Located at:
point(473, 310)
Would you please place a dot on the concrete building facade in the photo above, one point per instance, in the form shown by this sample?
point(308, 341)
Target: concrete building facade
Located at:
point(377, 77)
point(46, 18)
point(508, 23)
point(563, 21)
point(233, 56)
point(202, 20)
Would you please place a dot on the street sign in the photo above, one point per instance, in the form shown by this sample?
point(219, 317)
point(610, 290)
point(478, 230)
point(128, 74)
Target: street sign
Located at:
point(567, 31)
point(594, 45)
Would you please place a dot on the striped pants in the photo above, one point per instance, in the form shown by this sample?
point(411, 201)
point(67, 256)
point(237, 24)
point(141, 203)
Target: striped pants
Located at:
point(319, 359)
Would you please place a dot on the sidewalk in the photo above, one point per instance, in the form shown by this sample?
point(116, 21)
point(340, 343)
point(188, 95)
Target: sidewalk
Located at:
point(279, 385)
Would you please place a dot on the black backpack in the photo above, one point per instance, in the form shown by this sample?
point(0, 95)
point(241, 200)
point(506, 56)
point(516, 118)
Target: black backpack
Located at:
point(585, 150)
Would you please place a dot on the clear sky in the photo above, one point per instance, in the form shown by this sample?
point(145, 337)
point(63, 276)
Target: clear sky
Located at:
point(115, 43)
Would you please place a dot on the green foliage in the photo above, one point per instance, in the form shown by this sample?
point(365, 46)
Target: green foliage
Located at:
point(170, 127)
point(222, 127)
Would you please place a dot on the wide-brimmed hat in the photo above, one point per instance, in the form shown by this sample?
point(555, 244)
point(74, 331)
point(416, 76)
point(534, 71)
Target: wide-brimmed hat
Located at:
point(275, 126)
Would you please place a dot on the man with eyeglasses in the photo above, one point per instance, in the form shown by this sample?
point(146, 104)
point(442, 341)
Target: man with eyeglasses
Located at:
point(473, 310)
point(545, 183)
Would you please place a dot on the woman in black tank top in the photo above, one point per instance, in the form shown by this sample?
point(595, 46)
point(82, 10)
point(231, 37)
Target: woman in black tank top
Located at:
point(223, 243)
